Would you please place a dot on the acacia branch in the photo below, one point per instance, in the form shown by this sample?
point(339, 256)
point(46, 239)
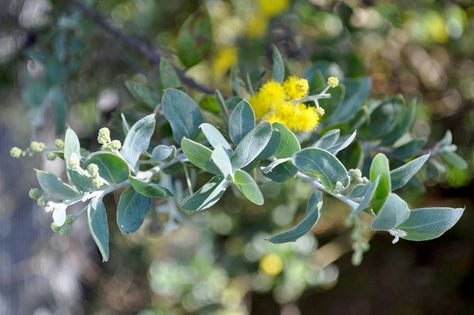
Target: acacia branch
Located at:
point(139, 45)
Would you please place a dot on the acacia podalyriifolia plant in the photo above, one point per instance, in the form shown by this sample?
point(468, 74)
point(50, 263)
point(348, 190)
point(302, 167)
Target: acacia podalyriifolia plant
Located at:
point(309, 128)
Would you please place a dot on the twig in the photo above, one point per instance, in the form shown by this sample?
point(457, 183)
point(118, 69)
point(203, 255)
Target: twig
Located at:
point(139, 45)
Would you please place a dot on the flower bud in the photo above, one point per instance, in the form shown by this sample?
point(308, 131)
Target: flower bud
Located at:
point(104, 136)
point(97, 182)
point(320, 111)
point(93, 170)
point(115, 145)
point(16, 152)
point(51, 156)
point(333, 82)
point(59, 143)
point(34, 193)
point(42, 201)
point(355, 174)
point(36, 146)
point(74, 161)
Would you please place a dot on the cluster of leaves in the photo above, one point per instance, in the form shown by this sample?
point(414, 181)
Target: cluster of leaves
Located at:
point(237, 151)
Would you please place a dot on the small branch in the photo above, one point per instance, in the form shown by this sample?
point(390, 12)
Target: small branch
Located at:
point(140, 46)
point(316, 184)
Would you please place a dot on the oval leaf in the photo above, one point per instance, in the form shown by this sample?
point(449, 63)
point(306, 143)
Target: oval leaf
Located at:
point(323, 165)
point(215, 137)
point(149, 189)
point(199, 155)
point(393, 212)
point(132, 210)
point(248, 187)
point(138, 139)
point(71, 146)
point(289, 144)
point(400, 176)
point(112, 167)
point(207, 195)
point(428, 223)
point(252, 145)
point(313, 211)
point(241, 122)
point(98, 226)
point(380, 168)
point(278, 73)
point(182, 113)
point(55, 187)
point(221, 159)
point(163, 152)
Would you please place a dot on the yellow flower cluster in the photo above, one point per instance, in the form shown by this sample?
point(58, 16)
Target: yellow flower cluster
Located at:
point(275, 102)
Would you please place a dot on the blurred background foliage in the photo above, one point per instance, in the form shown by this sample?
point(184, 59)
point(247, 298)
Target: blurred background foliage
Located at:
point(58, 66)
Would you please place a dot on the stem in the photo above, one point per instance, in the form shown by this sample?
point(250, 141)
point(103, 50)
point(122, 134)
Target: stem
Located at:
point(316, 184)
point(188, 179)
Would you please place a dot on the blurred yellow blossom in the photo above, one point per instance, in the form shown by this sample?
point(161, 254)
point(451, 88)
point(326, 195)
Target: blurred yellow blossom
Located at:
point(273, 7)
point(257, 26)
point(224, 59)
point(271, 264)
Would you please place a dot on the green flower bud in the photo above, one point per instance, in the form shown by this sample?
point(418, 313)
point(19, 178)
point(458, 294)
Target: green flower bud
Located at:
point(16, 152)
point(42, 201)
point(51, 156)
point(34, 193)
point(97, 182)
point(36, 146)
point(93, 170)
point(59, 143)
point(355, 174)
point(104, 136)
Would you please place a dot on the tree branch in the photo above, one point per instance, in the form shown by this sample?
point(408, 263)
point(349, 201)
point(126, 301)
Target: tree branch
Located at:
point(141, 46)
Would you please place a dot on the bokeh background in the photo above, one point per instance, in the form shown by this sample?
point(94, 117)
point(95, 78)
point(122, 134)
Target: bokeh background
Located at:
point(58, 66)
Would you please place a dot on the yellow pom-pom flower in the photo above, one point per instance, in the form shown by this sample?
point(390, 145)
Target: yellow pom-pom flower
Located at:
point(270, 95)
point(276, 102)
point(333, 82)
point(271, 264)
point(296, 87)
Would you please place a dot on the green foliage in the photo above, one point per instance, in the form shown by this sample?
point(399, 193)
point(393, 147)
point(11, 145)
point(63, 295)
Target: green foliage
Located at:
point(313, 211)
point(196, 32)
point(225, 145)
point(98, 226)
point(182, 113)
point(132, 208)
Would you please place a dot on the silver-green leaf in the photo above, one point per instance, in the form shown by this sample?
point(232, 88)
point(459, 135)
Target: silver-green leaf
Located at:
point(428, 223)
point(313, 211)
point(182, 113)
point(138, 139)
point(132, 210)
point(98, 226)
point(323, 165)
